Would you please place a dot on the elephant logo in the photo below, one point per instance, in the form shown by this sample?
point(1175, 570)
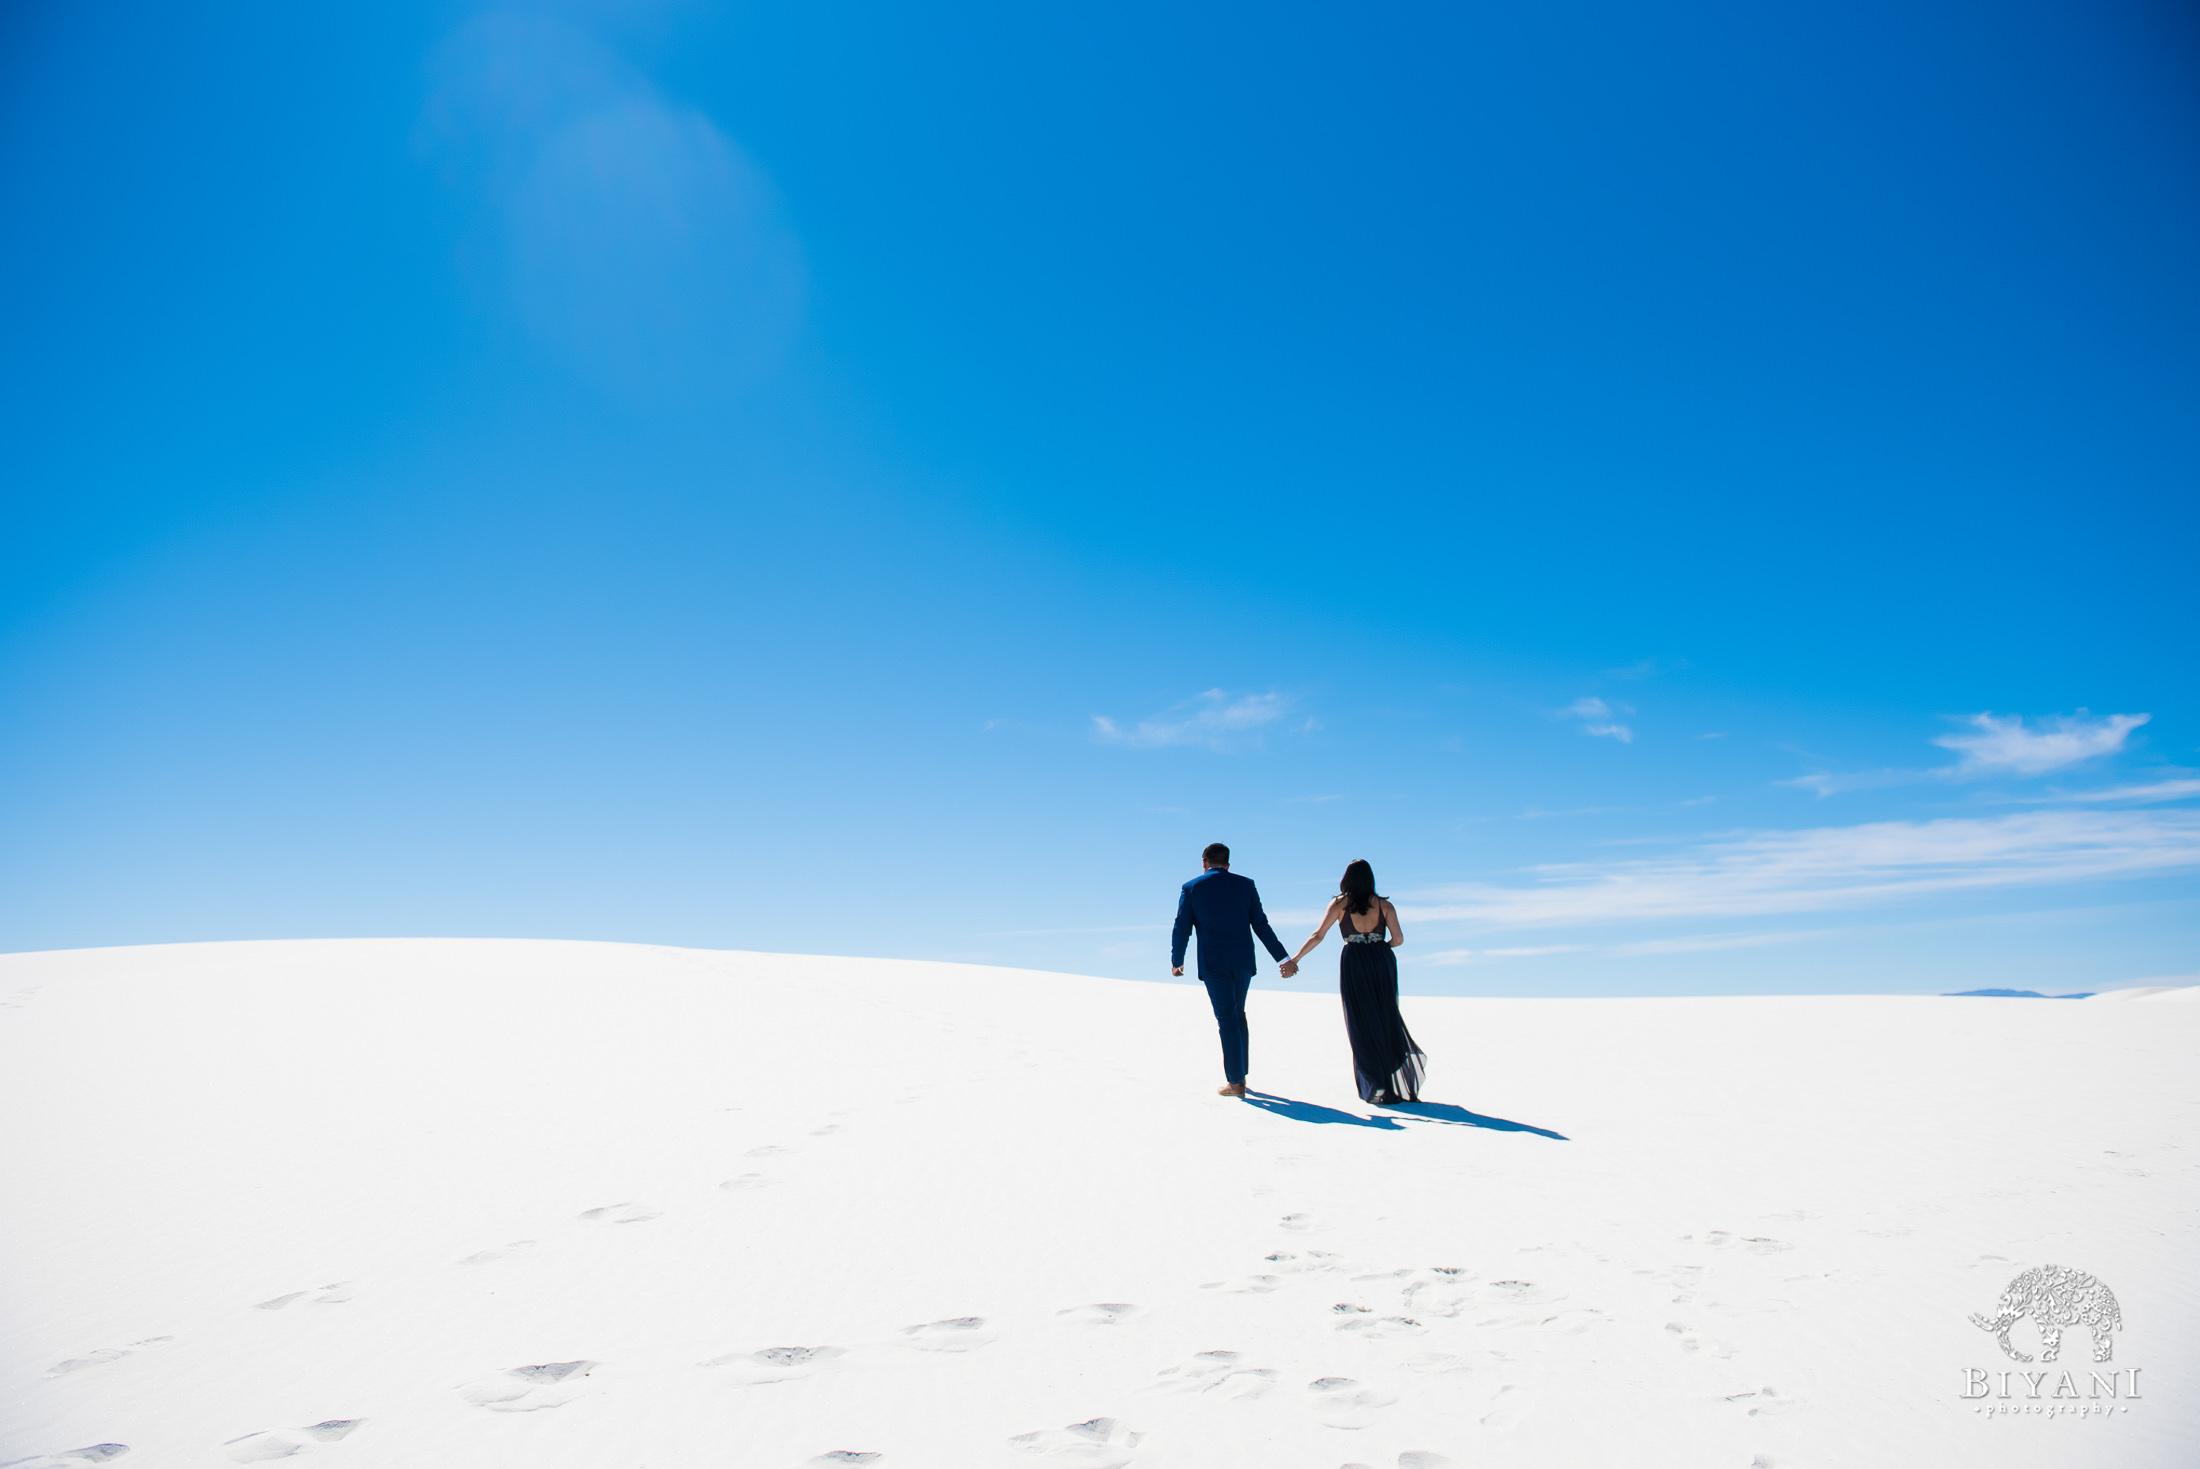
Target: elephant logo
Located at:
point(2055, 1296)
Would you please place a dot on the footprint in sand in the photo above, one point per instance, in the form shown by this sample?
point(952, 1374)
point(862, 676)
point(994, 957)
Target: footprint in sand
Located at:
point(98, 1358)
point(956, 1334)
point(1101, 1313)
point(775, 1364)
point(1281, 1264)
point(1506, 1407)
point(1503, 1294)
point(841, 1456)
point(1687, 1280)
point(1297, 1222)
point(745, 1181)
point(329, 1430)
point(1691, 1340)
point(766, 1151)
point(1432, 1362)
point(1423, 1459)
point(1216, 1374)
point(1765, 1402)
point(1442, 1291)
point(1256, 1285)
point(1096, 1443)
point(1755, 1244)
point(1515, 1293)
point(333, 1294)
point(518, 1249)
point(529, 1389)
point(98, 1453)
point(102, 1357)
point(1342, 1402)
point(281, 1443)
point(622, 1213)
point(1568, 1323)
point(1314, 1262)
point(1382, 1328)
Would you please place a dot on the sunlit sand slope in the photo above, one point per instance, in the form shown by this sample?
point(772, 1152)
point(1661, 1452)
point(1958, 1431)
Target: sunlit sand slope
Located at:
point(410, 1204)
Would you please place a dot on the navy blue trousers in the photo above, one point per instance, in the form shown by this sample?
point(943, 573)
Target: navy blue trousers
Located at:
point(1227, 994)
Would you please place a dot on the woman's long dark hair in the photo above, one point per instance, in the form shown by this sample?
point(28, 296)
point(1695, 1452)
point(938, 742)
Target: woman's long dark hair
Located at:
point(1358, 887)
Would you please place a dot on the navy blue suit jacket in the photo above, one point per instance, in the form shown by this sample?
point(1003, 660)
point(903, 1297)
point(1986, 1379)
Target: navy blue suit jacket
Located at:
point(1225, 908)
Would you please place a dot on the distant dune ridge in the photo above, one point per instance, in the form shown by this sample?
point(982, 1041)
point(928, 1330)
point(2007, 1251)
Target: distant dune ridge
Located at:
point(2186, 993)
point(389, 1204)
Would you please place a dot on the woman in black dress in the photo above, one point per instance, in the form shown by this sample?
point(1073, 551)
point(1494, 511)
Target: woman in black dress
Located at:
point(1385, 1061)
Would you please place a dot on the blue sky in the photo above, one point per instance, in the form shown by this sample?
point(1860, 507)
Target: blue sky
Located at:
point(1702, 499)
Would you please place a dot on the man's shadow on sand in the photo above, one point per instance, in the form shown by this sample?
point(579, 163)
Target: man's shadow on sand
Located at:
point(1441, 1113)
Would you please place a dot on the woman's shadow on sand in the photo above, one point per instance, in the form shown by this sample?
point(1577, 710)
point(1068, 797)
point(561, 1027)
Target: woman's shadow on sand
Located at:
point(1442, 1113)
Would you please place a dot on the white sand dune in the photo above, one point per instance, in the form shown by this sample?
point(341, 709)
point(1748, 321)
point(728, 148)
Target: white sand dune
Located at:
point(410, 1204)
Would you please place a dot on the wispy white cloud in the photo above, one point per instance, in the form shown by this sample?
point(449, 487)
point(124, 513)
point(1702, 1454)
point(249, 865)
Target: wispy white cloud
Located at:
point(1212, 719)
point(1451, 958)
point(1833, 782)
point(1028, 933)
point(1822, 868)
point(1597, 718)
point(1996, 745)
point(2152, 793)
point(1647, 948)
point(1705, 943)
point(2003, 745)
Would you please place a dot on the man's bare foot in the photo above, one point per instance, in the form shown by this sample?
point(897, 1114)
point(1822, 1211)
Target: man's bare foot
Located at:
point(1234, 1089)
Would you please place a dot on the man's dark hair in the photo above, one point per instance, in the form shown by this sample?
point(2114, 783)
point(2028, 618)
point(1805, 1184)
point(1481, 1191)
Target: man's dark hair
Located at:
point(1216, 854)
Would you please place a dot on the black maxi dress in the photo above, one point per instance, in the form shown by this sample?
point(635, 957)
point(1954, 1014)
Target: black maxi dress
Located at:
point(1385, 1062)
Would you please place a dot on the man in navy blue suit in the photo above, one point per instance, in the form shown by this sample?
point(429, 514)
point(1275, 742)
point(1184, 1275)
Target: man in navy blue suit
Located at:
point(1225, 908)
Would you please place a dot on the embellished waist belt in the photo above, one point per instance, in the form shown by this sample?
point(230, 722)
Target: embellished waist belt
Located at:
point(1364, 938)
